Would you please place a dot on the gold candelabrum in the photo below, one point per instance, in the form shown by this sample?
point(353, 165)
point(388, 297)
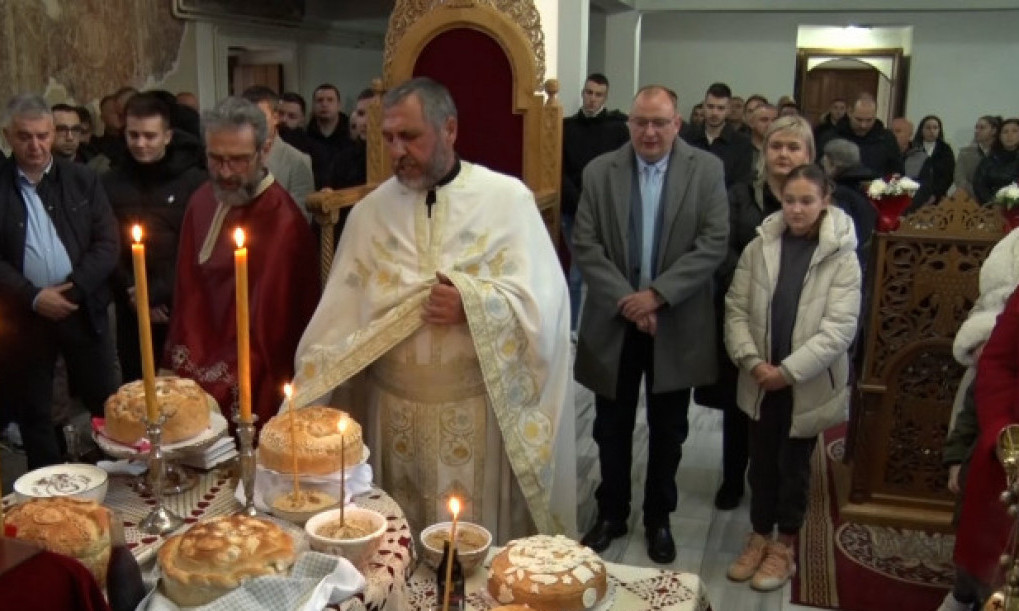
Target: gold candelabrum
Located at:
point(1006, 598)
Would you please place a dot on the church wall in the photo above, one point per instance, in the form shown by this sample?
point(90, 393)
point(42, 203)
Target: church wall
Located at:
point(962, 63)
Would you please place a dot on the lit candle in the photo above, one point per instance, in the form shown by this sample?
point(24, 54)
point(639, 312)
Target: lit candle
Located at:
point(454, 508)
point(141, 300)
point(243, 340)
point(288, 390)
point(343, 467)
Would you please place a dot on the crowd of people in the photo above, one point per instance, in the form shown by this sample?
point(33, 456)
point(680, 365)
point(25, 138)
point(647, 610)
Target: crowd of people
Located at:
point(723, 261)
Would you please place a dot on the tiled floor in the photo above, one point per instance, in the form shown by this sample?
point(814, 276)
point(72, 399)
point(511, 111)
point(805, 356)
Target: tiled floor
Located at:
point(707, 539)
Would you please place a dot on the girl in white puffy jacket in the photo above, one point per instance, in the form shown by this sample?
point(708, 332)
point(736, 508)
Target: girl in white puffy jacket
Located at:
point(790, 315)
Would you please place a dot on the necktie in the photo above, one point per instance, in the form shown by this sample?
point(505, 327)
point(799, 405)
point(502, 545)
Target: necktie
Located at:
point(650, 194)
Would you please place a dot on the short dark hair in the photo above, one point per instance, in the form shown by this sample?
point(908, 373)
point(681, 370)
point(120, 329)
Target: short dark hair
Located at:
point(597, 77)
point(149, 104)
point(758, 97)
point(327, 86)
point(256, 94)
point(295, 98)
point(107, 99)
point(84, 115)
point(63, 108)
point(718, 90)
point(366, 94)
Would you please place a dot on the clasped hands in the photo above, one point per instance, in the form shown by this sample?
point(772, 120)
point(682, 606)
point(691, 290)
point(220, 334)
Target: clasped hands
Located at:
point(159, 314)
point(640, 307)
point(444, 305)
point(769, 377)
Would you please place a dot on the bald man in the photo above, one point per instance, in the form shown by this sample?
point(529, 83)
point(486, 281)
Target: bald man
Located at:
point(879, 151)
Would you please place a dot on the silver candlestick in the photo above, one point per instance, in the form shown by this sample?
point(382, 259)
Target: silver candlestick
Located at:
point(160, 520)
point(246, 435)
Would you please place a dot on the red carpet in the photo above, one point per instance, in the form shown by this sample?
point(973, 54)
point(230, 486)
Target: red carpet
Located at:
point(855, 567)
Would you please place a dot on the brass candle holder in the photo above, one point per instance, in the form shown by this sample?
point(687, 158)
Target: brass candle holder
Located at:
point(160, 520)
point(246, 436)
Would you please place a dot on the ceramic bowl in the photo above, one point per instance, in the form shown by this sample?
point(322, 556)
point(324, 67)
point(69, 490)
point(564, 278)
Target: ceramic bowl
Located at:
point(359, 550)
point(77, 480)
point(472, 547)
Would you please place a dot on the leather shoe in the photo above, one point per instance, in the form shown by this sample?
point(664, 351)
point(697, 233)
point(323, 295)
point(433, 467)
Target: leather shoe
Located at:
point(602, 533)
point(660, 546)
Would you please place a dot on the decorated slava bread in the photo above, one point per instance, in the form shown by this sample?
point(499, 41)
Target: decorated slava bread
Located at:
point(72, 527)
point(547, 574)
point(214, 557)
point(318, 441)
point(182, 401)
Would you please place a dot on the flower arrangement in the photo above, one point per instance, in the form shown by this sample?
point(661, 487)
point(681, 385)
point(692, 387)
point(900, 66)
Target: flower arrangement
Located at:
point(894, 187)
point(1008, 196)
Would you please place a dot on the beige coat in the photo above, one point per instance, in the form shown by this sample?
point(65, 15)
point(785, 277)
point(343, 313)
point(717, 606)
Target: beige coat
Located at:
point(826, 319)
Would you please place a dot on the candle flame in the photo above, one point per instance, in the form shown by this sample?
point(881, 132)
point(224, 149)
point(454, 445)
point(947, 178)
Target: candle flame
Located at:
point(288, 391)
point(136, 233)
point(239, 237)
point(454, 506)
point(343, 424)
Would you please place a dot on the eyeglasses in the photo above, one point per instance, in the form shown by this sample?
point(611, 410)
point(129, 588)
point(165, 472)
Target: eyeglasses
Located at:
point(70, 129)
point(234, 162)
point(643, 124)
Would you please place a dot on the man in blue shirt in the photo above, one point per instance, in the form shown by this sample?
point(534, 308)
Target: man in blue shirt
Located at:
point(58, 246)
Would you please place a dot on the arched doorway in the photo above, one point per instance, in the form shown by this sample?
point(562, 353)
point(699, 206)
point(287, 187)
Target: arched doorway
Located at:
point(823, 75)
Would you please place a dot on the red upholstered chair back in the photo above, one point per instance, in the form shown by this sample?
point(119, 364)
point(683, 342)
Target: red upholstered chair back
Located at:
point(477, 72)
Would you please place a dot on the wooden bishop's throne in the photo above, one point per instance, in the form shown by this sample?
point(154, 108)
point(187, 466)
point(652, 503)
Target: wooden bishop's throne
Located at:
point(490, 54)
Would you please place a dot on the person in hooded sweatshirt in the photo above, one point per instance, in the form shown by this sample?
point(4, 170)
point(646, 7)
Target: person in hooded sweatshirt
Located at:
point(879, 150)
point(151, 187)
point(791, 314)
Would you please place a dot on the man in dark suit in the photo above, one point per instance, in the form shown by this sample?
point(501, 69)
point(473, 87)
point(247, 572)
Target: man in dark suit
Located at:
point(652, 226)
point(58, 246)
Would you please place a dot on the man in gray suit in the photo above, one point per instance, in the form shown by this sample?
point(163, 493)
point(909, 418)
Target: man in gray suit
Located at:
point(651, 228)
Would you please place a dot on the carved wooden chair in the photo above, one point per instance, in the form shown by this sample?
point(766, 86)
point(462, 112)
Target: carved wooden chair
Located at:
point(926, 277)
point(490, 54)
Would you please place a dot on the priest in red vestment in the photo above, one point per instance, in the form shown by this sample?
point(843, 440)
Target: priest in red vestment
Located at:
point(283, 272)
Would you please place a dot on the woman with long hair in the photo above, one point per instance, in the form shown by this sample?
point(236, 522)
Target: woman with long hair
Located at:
point(930, 161)
point(985, 133)
point(1001, 166)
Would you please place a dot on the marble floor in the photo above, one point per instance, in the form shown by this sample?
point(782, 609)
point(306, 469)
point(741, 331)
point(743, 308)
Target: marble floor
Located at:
point(707, 539)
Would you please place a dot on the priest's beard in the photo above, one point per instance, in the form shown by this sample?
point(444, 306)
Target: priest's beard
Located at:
point(431, 173)
point(236, 190)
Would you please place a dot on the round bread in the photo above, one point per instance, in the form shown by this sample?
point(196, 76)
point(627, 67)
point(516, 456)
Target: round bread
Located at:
point(317, 433)
point(72, 527)
point(181, 400)
point(512, 608)
point(214, 557)
point(547, 574)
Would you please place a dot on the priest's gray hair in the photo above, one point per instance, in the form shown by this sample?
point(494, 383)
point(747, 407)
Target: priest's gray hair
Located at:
point(436, 102)
point(234, 113)
point(29, 105)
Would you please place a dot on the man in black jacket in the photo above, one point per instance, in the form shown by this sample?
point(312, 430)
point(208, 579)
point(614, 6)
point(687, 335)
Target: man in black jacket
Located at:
point(58, 246)
point(592, 131)
point(151, 188)
point(879, 152)
point(720, 137)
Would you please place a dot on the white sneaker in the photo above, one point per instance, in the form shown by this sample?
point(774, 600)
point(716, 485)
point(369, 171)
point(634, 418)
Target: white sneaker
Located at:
point(951, 604)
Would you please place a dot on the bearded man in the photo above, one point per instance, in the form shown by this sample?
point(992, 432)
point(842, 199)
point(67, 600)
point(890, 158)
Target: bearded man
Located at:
point(445, 323)
point(283, 274)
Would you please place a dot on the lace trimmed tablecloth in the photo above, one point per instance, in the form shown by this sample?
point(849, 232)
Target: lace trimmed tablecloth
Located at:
point(386, 574)
point(632, 589)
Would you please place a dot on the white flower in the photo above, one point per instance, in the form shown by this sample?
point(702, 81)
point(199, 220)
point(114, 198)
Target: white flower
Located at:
point(877, 188)
point(908, 185)
point(1008, 196)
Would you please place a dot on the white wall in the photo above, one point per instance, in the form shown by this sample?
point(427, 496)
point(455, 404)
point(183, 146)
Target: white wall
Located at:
point(351, 70)
point(962, 63)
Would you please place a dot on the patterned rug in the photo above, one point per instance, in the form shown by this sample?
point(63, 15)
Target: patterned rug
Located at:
point(856, 567)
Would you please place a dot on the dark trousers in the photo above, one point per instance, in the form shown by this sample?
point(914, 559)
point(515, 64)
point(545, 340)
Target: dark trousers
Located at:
point(89, 359)
point(613, 431)
point(779, 468)
point(129, 344)
point(735, 445)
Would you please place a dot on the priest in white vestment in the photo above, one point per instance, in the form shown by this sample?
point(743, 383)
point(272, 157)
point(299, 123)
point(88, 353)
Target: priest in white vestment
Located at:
point(444, 329)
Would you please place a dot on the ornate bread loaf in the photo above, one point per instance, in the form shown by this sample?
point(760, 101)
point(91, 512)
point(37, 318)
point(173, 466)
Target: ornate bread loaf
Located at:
point(72, 527)
point(214, 557)
point(181, 400)
point(547, 574)
point(318, 441)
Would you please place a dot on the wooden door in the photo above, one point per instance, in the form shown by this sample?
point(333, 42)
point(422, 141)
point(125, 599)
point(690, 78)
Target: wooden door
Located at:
point(823, 85)
point(244, 76)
